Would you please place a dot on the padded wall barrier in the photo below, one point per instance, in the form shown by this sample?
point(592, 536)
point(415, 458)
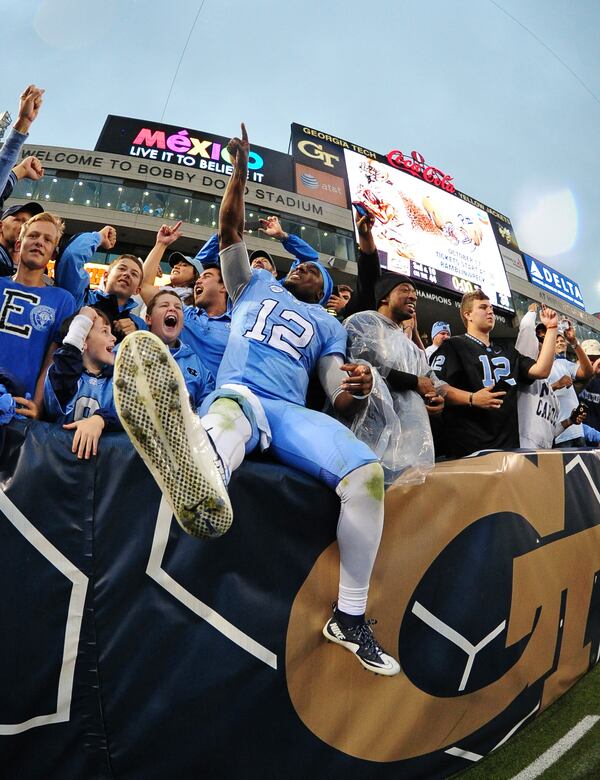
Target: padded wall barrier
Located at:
point(130, 650)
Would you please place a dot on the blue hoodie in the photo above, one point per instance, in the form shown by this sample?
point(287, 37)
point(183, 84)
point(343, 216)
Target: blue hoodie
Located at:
point(70, 274)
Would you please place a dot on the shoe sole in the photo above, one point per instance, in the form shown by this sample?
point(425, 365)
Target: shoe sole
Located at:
point(351, 646)
point(153, 405)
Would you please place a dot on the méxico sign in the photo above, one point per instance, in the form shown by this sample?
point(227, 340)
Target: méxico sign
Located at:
point(190, 149)
point(548, 279)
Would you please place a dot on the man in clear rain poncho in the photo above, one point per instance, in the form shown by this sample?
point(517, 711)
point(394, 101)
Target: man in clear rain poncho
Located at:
point(395, 422)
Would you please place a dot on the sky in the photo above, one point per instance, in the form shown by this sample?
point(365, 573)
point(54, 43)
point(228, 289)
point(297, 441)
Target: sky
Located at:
point(504, 96)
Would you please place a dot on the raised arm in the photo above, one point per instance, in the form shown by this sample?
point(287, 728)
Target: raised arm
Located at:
point(70, 273)
point(542, 367)
point(301, 249)
point(29, 168)
point(231, 214)
point(234, 264)
point(29, 106)
point(584, 368)
point(164, 238)
point(369, 269)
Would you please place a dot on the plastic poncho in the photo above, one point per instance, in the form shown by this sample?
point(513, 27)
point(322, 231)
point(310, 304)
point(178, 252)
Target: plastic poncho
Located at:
point(394, 424)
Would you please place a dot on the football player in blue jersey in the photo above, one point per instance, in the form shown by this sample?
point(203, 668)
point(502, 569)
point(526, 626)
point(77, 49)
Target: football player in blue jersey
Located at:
point(78, 390)
point(31, 312)
point(280, 333)
point(164, 316)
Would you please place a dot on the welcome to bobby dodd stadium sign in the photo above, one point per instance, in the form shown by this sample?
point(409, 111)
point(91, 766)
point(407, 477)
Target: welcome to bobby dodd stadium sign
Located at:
point(548, 279)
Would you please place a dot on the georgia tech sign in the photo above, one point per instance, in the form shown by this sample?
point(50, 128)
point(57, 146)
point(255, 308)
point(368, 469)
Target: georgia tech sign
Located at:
point(490, 611)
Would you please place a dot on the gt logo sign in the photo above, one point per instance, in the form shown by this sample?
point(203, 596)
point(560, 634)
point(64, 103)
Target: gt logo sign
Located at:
point(493, 610)
point(316, 152)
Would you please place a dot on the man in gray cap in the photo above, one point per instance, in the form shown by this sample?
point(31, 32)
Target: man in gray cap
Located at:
point(261, 259)
point(10, 226)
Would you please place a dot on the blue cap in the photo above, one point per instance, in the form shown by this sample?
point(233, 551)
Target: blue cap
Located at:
point(438, 327)
point(327, 280)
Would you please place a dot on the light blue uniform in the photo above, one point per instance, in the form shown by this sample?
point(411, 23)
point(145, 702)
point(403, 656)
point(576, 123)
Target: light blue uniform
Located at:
point(93, 393)
point(275, 344)
point(198, 379)
point(207, 336)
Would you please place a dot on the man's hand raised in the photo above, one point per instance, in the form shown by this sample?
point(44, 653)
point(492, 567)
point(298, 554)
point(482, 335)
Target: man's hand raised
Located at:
point(29, 105)
point(548, 316)
point(271, 226)
point(168, 235)
point(108, 237)
point(238, 149)
point(29, 168)
point(364, 224)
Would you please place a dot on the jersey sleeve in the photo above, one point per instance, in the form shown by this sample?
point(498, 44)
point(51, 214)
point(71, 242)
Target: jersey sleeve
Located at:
point(298, 247)
point(9, 154)
point(209, 253)
point(8, 188)
point(204, 386)
point(524, 364)
point(446, 363)
point(336, 338)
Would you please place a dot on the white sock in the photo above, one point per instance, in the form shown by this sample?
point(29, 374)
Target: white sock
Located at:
point(229, 431)
point(358, 534)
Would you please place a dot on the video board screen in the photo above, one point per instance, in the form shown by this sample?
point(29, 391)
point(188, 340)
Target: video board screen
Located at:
point(426, 233)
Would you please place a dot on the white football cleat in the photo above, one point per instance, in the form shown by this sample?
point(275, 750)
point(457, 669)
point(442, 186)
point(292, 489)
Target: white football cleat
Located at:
point(153, 404)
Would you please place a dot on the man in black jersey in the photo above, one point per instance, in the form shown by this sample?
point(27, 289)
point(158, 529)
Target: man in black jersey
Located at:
point(483, 379)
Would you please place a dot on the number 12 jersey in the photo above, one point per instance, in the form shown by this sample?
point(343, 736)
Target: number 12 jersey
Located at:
point(276, 340)
point(468, 364)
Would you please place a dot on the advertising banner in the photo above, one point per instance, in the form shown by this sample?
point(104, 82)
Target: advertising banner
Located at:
point(190, 149)
point(132, 650)
point(547, 278)
point(321, 185)
point(424, 231)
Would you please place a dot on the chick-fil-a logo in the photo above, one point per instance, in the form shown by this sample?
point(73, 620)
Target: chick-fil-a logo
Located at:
point(416, 165)
point(183, 149)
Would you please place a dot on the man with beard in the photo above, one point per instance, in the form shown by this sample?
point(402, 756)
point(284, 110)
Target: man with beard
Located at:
point(280, 333)
point(395, 423)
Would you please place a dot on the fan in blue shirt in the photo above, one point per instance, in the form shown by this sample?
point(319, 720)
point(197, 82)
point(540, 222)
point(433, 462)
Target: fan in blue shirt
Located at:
point(123, 281)
point(165, 319)
point(208, 321)
point(78, 390)
point(31, 312)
